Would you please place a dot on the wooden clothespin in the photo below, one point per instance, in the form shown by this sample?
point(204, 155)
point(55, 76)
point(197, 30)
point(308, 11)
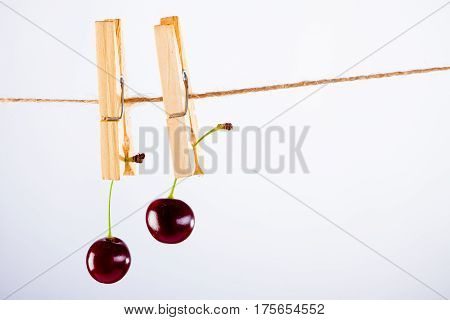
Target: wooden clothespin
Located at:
point(114, 124)
point(181, 118)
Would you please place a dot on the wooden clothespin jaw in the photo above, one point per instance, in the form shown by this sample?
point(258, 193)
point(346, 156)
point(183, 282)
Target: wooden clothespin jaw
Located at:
point(115, 141)
point(181, 119)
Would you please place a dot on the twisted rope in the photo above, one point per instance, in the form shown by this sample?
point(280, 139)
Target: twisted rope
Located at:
point(222, 93)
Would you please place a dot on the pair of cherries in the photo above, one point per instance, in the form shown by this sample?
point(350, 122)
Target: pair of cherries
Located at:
point(168, 220)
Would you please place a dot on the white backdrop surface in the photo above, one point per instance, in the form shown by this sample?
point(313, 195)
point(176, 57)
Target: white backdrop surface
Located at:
point(377, 151)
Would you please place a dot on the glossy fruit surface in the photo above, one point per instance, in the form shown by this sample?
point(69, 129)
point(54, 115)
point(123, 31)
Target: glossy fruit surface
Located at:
point(170, 220)
point(108, 260)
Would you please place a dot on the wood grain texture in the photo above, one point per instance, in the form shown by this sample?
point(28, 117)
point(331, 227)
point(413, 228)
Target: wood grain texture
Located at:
point(170, 70)
point(193, 123)
point(113, 134)
point(182, 131)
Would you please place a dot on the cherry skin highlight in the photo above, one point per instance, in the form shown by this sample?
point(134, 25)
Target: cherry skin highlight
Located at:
point(108, 260)
point(170, 220)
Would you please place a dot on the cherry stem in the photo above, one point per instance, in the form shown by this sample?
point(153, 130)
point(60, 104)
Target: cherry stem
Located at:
point(222, 126)
point(205, 135)
point(109, 209)
point(173, 189)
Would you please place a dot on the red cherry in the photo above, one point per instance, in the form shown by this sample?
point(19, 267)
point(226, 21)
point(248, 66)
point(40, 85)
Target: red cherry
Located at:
point(108, 260)
point(170, 220)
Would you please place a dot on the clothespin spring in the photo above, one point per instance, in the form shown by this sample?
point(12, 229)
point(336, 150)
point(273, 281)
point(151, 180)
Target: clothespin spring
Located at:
point(122, 102)
point(186, 99)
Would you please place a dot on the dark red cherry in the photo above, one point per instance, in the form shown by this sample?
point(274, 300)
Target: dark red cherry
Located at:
point(108, 260)
point(170, 220)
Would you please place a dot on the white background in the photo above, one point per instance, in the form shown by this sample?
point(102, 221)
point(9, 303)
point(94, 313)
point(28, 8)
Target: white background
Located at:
point(377, 151)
